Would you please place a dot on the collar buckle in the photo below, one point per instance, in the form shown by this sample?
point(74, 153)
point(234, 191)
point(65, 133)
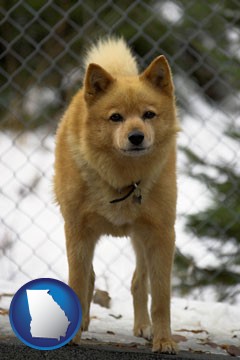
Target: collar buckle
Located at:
point(135, 190)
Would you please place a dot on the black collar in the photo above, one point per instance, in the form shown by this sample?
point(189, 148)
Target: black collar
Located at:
point(133, 188)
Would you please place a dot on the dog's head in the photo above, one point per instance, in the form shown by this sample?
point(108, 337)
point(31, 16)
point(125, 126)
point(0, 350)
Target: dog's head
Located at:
point(130, 117)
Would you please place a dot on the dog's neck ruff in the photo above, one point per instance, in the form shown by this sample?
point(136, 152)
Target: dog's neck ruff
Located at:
point(133, 189)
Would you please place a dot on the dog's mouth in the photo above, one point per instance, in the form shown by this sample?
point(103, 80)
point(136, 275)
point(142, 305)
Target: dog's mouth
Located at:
point(136, 151)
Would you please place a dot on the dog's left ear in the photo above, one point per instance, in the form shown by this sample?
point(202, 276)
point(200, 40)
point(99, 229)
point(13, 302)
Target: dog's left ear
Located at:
point(158, 73)
point(97, 81)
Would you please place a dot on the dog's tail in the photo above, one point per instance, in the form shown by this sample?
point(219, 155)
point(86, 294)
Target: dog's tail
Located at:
point(114, 55)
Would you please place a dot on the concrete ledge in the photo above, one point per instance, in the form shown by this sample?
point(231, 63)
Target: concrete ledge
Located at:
point(12, 349)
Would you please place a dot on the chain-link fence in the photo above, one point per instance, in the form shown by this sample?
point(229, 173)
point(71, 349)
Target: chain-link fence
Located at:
point(42, 43)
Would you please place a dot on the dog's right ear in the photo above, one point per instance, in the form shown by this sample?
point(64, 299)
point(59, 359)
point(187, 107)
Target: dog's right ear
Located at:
point(158, 73)
point(97, 81)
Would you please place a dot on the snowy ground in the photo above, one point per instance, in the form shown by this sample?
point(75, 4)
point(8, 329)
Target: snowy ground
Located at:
point(197, 326)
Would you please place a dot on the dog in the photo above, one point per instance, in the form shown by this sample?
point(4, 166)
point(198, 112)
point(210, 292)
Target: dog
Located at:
point(115, 173)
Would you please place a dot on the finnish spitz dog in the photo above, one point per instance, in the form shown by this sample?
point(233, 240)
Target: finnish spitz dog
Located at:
point(115, 173)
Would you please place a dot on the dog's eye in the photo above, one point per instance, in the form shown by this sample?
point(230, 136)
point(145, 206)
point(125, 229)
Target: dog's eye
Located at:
point(116, 117)
point(149, 115)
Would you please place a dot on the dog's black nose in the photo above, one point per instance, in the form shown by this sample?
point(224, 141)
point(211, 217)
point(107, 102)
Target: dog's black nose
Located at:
point(136, 137)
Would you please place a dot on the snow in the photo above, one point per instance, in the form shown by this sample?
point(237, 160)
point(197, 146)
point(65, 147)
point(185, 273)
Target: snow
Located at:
point(169, 11)
point(198, 321)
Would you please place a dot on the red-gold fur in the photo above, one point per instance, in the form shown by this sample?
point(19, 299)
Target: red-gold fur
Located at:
point(95, 159)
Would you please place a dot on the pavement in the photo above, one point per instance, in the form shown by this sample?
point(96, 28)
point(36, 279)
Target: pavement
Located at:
point(13, 349)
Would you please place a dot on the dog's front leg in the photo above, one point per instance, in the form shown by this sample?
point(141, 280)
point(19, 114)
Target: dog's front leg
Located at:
point(139, 289)
point(159, 250)
point(80, 249)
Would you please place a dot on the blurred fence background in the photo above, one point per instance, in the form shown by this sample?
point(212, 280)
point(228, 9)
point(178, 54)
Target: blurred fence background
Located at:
point(41, 48)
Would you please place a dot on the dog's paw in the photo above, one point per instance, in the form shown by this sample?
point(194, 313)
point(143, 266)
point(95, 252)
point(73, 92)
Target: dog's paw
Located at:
point(144, 331)
point(84, 327)
point(77, 338)
point(166, 346)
